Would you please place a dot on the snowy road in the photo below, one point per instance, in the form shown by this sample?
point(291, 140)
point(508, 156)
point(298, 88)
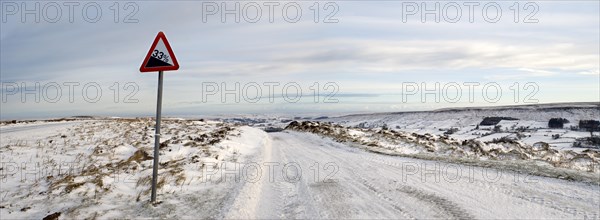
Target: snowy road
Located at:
point(352, 183)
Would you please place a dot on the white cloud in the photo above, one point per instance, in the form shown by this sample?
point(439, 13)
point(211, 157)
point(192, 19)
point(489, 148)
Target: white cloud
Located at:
point(592, 72)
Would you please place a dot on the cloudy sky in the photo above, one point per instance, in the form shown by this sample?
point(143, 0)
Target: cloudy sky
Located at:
point(360, 56)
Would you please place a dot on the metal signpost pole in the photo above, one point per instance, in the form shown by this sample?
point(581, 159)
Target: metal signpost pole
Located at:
point(157, 136)
point(159, 58)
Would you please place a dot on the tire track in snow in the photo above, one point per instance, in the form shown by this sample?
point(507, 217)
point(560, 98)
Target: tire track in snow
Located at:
point(289, 205)
point(330, 196)
point(453, 210)
point(526, 193)
point(304, 205)
point(370, 186)
point(245, 197)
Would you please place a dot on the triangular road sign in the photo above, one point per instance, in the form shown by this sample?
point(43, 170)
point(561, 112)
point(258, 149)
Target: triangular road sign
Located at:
point(160, 57)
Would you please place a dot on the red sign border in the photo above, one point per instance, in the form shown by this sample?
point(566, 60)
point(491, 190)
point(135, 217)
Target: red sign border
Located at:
point(175, 66)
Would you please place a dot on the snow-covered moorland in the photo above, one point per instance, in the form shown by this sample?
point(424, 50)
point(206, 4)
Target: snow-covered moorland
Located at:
point(102, 168)
point(539, 159)
point(525, 123)
point(513, 137)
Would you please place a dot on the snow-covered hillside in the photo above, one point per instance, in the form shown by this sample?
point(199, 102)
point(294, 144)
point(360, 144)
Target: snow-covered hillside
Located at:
point(102, 168)
point(530, 127)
